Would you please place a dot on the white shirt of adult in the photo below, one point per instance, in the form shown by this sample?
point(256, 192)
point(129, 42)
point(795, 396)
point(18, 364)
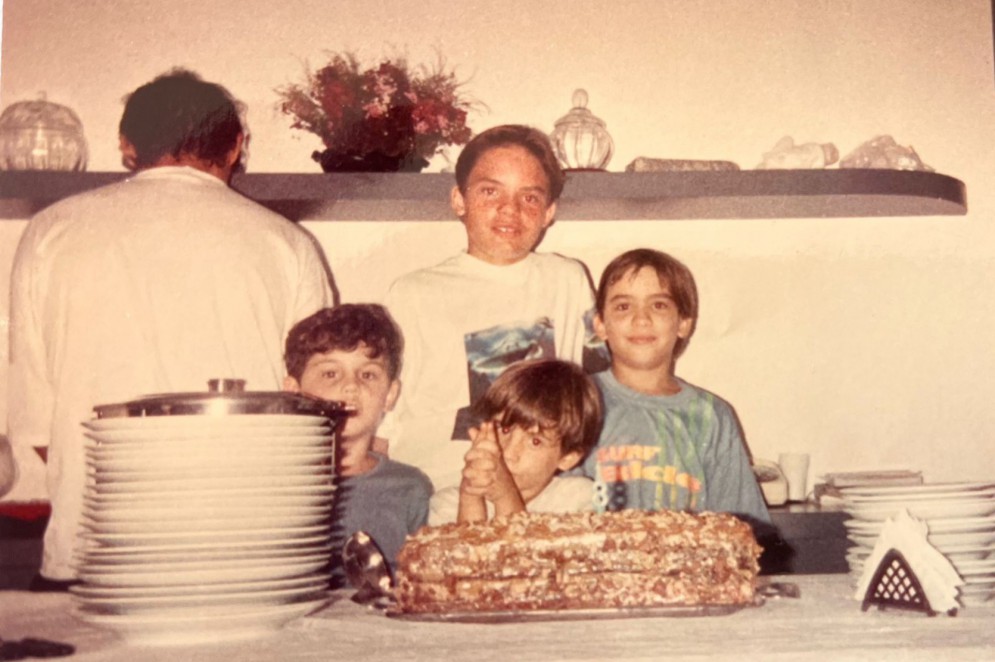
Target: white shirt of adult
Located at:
point(153, 284)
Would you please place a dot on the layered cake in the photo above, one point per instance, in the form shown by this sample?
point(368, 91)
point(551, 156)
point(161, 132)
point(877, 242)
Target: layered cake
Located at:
point(533, 561)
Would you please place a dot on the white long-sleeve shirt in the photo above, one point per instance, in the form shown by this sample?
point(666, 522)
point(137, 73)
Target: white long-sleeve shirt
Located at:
point(154, 284)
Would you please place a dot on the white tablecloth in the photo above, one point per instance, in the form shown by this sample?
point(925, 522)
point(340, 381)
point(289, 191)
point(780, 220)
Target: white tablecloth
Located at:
point(824, 624)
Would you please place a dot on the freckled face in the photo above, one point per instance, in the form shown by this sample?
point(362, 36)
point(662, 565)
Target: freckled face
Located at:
point(640, 322)
point(356, 379)
point(506, 206)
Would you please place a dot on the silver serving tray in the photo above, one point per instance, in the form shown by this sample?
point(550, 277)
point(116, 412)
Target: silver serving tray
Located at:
point(539, 615)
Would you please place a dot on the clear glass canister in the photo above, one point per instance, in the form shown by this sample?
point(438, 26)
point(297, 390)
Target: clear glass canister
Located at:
point(580, 139)
point(41, 135)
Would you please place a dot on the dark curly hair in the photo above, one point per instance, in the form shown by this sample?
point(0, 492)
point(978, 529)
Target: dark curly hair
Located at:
point(179, 114)
point(344, 328)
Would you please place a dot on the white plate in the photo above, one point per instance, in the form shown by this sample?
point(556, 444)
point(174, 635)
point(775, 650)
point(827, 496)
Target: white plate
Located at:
point(935, 525)
point(180, 487)
point(102, 568)
point(978, 600)
point(926, 509)
point(207, 550)
point(858, 553)
point(889, 500)
point(172, 517)
point(863, 541)
point(967, 552)
point(217, 537)
point(973, 580)
point(292, 541)
point(94, 506)
point(976, 567)
point(229, 461)
point(238, 495)
point(206, 606)
point(186, 629)
point(207, 447)
point(111, 556)
point(218, 474)
point(205, 422)
point(172, 447)
point(258, 434)
point(208, 573)
point(961, 524)
point(303, 583)
point(188, 525)
point(928, 488)
point(942, 541)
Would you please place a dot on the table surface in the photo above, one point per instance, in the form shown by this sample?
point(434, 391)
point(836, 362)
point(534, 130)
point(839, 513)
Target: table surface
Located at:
point(825, 623)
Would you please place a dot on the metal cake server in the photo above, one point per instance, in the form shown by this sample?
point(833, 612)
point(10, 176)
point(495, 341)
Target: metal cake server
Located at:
point(367, 571)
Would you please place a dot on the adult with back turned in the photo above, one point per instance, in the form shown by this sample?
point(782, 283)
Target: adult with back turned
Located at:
point(153, 284)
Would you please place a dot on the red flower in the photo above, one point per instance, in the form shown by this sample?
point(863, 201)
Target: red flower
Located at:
point(386, 109)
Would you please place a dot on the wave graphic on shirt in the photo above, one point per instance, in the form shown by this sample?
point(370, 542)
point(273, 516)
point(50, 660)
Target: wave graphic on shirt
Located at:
point(490, 351)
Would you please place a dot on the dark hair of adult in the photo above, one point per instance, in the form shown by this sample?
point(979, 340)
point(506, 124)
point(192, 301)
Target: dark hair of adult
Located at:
point(672, 273)
point(345, 328)
point(533, 140)
point(178, 114)
point(552, 394)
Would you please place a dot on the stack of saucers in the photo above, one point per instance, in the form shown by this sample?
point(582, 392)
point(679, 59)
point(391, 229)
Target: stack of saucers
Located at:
point(960, 518)
point(204, 527)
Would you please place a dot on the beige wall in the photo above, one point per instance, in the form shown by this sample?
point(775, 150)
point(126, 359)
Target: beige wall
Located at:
point(866, 342)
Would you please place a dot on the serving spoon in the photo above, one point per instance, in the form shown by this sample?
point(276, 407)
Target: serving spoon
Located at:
point(367, 571)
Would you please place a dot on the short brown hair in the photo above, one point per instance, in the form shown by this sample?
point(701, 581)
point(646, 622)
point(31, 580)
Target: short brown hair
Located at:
point(672, 272)
point(344, 328)
point(533, 140)
point(552, 394)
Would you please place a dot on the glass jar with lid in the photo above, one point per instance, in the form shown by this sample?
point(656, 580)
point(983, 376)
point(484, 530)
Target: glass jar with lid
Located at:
point(41, 135)
point(580, 139)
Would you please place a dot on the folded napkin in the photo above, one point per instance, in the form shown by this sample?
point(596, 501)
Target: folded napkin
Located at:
point(936, 575)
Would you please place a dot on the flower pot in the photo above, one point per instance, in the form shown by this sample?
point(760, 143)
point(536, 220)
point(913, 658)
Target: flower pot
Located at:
point(371, 162)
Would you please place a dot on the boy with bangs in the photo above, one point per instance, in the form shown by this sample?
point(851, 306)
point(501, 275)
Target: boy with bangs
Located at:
point(352, 354)
point(539, 418)
point(666, 444)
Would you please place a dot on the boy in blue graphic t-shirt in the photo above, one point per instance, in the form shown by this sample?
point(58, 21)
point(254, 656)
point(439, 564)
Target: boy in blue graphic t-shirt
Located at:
point(665, 444)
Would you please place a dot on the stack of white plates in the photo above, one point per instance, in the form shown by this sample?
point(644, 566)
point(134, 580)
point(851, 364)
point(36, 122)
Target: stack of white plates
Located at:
point(961, 524)
point(204, 527)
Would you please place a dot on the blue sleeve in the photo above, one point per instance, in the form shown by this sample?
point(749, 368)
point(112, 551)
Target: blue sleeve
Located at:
point(731, 483)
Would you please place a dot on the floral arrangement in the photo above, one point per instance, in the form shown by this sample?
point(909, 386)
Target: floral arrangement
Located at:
point(385, 117)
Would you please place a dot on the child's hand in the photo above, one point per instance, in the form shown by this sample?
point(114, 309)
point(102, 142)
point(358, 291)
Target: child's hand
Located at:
point(485, 473)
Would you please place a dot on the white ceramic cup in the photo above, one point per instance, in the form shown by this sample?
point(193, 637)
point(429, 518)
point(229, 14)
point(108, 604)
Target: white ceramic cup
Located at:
point(795, 468)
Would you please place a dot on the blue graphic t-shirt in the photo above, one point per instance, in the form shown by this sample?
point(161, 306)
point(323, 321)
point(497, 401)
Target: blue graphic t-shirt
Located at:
point(677, 452)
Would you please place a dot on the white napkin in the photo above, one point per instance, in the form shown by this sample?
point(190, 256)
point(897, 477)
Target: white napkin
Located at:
point(938, 577)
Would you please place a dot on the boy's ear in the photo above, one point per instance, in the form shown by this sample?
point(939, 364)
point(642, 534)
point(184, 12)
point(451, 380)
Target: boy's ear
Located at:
point(129, 155)
point(457, 202)
point(291, 385)
point(599, 327)
point(569, 460)
point(393, 391)
point(684, 327)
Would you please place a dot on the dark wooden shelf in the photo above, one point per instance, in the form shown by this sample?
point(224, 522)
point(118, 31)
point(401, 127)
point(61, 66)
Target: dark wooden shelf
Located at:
point(747, 194)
